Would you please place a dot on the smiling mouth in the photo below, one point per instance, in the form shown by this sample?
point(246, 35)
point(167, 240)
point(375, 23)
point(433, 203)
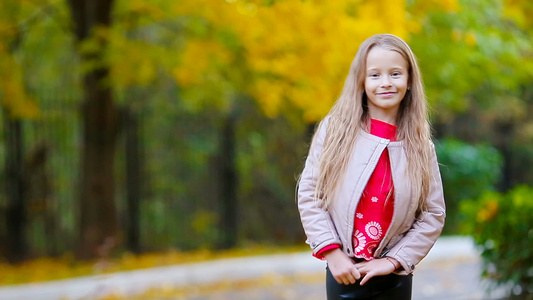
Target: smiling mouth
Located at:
point(387, 94)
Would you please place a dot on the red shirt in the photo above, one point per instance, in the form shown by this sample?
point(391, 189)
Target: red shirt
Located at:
point(374, 211)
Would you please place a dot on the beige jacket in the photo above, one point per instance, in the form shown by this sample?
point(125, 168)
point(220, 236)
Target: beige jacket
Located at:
point(409, 237)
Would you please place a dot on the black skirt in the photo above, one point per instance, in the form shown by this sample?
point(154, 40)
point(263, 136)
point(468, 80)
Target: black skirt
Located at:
point(392, 286)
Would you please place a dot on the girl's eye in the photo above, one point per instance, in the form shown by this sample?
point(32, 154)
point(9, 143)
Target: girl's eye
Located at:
point(396, 74)
point(374, 75)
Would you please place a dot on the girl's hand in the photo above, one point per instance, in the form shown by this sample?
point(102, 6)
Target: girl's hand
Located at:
point(376, 267)
point(341, 267)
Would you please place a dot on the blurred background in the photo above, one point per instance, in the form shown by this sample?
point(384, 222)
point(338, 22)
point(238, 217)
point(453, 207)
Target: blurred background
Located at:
point(146, 125)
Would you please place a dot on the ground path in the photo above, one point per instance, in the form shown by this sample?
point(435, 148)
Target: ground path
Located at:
point(450, 271)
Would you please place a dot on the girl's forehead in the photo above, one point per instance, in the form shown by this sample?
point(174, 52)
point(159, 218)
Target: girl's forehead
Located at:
point(379, 56)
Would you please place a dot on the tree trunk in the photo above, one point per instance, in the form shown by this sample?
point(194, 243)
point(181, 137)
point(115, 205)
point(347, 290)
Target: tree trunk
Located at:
point(98, 214)
point(16, 212)
point(99, 229)
point(16, 215)
point(228, 184)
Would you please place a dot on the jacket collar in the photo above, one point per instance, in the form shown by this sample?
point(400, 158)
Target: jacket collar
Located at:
point(377, 139)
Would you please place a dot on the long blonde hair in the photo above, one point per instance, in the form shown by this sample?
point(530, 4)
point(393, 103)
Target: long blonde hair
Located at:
point(349, 115)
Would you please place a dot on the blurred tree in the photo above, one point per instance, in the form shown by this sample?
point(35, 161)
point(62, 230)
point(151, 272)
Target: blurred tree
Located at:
point(500, 224)
point(16, 104)
point(250, 48)
point(294, 53)
point(462, 164)
point(477, 67)
point(98, 213)
point(290, 57)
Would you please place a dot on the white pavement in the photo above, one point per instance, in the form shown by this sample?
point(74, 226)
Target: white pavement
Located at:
point(135, 282)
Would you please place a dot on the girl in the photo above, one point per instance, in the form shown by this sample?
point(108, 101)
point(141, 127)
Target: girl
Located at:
point(370, 195)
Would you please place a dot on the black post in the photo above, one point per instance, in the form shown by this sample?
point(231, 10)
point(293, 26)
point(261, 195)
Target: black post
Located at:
point(228, 184)
point(16, 209)
point(505, 133)
point(133, 180)
point(310, 131)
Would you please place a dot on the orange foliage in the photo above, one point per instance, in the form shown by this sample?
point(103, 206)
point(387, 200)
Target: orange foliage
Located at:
point(13, 94)
point(298, 52)
point(291, 54)
point(520, 11)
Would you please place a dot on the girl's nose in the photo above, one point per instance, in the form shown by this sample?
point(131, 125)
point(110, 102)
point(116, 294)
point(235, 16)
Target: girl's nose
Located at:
point(385, 81)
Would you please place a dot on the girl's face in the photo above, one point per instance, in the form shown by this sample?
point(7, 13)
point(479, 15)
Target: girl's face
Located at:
point(386, 82)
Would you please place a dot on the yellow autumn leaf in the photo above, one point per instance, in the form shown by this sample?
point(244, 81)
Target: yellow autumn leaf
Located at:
point(470, 39)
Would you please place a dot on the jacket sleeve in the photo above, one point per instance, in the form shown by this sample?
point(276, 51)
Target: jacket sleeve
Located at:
point(317, 223)
point(423, 234)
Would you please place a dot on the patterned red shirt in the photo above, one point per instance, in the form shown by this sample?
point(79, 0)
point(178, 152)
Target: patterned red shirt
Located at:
point(373, 215)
